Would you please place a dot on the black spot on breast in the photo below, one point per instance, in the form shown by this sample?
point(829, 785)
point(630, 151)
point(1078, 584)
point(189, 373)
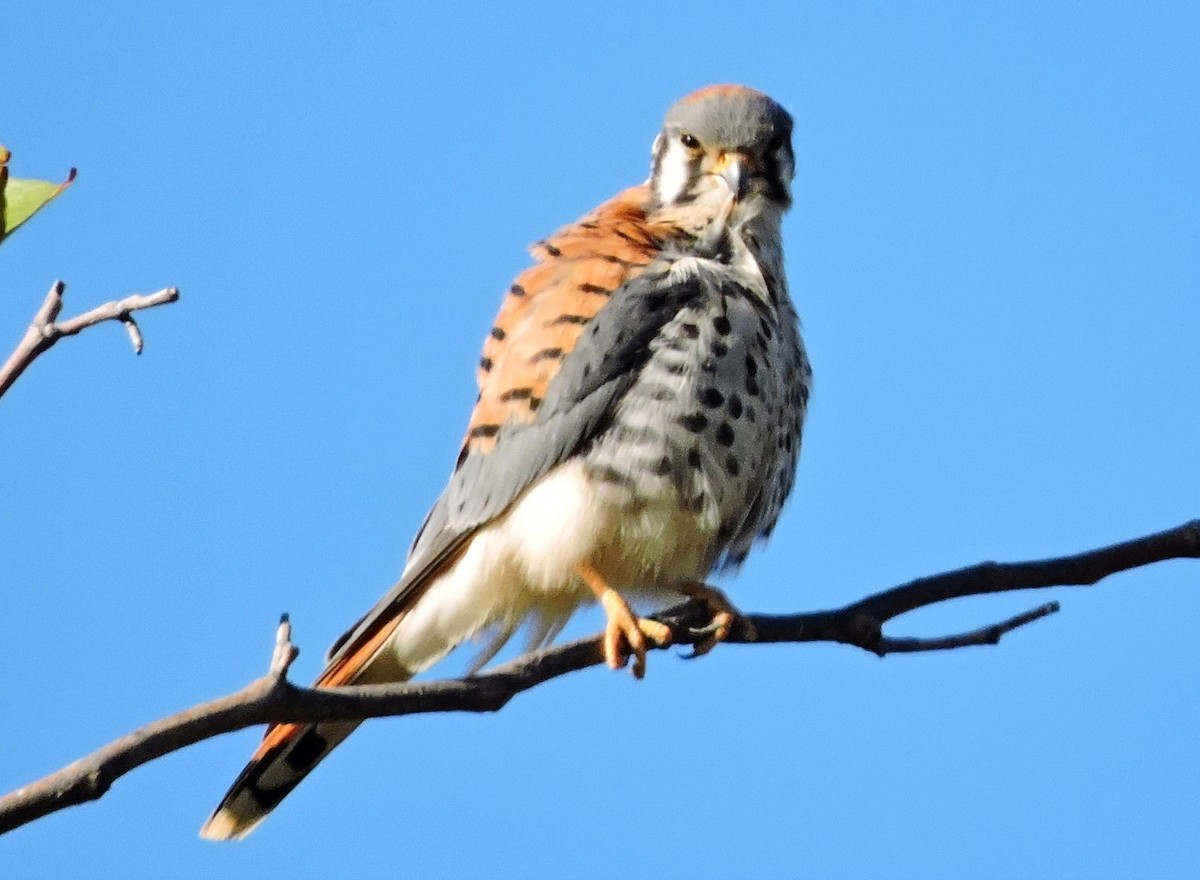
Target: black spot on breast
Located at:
point(594, 288)
point(517, 394)
point(752, 385)
point(484, 431)
point(656, 301)
point(711, 397)
point(662, 467)
point(709, 365)
point(691, 331)
point(735, 406)
point(725, 434)
point(606, 474)
point(517, 290)
point(719, 348)
point(731, 465)
point(751, 365)
point(548, 354)
point(571, 319)
point(694, 422)
point(498, 333)
point(693, 458)
point(534, 403)
point(661, 393)
point(721, 325)
point(551, 249)
point(485, 364)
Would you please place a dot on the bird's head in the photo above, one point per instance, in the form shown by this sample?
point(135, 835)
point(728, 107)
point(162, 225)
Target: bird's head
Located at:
point(725, 140)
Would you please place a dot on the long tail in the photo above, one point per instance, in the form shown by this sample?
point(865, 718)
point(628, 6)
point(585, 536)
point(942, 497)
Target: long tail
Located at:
point(289, 752)
point(366, 654)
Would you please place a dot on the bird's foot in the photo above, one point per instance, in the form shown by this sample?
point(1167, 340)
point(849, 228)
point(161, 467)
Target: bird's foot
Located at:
point(625, 634)
point(722, 615)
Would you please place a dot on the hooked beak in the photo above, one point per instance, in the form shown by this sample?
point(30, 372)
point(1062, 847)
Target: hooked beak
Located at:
point(734, 169)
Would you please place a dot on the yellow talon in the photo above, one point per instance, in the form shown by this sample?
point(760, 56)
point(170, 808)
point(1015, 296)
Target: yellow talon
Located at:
point(722, 615)
point(622, 628)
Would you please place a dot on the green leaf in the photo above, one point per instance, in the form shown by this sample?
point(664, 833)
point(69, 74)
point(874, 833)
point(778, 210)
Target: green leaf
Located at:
point(21, 199)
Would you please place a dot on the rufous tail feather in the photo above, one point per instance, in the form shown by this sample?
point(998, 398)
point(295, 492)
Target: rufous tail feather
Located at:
point(289, 752)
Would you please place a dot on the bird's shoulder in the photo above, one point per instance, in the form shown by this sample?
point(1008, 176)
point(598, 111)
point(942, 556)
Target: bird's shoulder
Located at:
point(575, 274)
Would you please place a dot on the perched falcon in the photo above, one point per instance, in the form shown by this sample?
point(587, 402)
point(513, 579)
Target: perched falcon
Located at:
point(641, 397)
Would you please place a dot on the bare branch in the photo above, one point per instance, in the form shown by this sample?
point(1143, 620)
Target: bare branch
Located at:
point(45, 330)
point(272, 699)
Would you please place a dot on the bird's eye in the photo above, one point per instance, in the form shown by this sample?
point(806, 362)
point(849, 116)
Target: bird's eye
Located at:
point(689, 141)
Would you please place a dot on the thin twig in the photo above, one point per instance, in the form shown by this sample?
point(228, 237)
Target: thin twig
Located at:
point(285, 652)
point(273, 699)
point(47, 330)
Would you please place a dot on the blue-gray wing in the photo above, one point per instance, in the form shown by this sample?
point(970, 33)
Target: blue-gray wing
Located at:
point(610, 347)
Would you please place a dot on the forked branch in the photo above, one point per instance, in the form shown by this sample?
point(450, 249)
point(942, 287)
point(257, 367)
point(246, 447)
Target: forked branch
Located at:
point(46, 329)
point(273, 698)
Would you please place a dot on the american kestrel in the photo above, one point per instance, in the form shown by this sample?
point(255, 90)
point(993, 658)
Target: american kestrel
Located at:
point(641, 398)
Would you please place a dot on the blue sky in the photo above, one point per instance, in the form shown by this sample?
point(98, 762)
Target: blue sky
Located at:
point(995, 250)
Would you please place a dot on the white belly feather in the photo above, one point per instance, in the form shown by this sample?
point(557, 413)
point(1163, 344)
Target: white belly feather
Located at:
point(523, 564)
